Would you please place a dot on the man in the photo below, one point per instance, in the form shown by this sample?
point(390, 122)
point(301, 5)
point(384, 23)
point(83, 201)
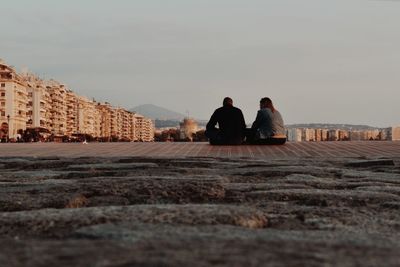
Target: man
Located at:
point(268, 128)
point(231, 125)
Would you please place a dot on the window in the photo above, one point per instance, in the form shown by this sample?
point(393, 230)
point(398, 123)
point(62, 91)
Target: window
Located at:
point(3, 94)
point(3, 85)
point(3, 104)
point(3, 113)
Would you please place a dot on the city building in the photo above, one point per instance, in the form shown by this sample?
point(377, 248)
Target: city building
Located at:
point(26, 101)
point(343, 135)
point(395, 133)
point(325, 135)
point(304, 134)
point(333, 135)
point(88, 117)
point(357, 135)
point(294, 135)
point(58, 108)
point(144, 130)
point(72, 101)
point(39, 102)
point(105, 112)
point(308, 135)
point(318, 135)
point(13, 102)
point(133, 127)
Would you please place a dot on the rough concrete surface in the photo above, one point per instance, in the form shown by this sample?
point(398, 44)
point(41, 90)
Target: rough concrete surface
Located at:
point(135, 211)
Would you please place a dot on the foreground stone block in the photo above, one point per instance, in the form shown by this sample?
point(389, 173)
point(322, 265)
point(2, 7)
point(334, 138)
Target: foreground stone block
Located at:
point(370, 163)
point(308, 211)
point(51, 222)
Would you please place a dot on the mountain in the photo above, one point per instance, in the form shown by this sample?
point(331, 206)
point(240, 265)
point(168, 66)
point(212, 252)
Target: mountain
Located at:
point(158, 113)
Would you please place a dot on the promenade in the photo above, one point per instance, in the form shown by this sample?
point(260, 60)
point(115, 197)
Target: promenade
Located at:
point(192, 204)
point(172, 150)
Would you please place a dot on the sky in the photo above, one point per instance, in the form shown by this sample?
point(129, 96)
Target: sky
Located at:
point(334, 61)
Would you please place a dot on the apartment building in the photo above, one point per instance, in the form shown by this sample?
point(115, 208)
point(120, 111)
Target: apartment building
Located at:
point(117, 123)
point(88, 117)
point(133, 127)
point(105, 112)
point(144, 129)
point(343, 135)
point(131, 122)
point(28, 101)
point(393, 133)
point(325, 135)
point(148, 130)
point(309, 135)
point(373, 135)
point(125, 120)
point(13, 102)
point(39, 102)
point(294, 135)
point(72, 101)
point(58, 109)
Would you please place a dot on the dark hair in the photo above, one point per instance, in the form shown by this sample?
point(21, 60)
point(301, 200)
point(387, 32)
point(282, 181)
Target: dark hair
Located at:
point(228, 102)
point(267, 101)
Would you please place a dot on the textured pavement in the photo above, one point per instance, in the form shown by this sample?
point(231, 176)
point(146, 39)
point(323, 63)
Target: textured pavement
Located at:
point(191, 204)
point(173, 150)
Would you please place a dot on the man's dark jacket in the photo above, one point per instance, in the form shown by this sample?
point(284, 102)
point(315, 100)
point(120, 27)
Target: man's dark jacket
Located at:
point(231, 124)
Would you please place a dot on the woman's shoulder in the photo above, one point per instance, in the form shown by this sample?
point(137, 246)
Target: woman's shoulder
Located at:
point(277, 113)
point(266, 111)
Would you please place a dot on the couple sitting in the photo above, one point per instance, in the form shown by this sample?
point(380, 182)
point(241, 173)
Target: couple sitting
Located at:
point(267, 129)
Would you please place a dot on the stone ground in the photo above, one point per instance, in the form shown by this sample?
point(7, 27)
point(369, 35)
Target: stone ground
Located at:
point(321, 204)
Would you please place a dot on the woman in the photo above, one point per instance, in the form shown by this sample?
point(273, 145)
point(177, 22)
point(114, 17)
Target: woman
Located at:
point(268, 128)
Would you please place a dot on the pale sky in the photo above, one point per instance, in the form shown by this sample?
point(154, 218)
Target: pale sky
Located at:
point(334, 61)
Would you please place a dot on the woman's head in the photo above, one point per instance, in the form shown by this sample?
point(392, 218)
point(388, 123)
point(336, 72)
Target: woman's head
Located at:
point(266, 102)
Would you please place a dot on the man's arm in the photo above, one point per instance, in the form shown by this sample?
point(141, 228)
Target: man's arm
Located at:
point(213, 121)
point(257, 122)
point(242, 120)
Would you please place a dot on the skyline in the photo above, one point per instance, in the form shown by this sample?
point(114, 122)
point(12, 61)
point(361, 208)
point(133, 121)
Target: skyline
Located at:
point(320, 62)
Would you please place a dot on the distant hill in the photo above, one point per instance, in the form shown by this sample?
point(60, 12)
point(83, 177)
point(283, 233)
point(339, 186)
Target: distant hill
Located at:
point(331, 126)
point(158, 113)
point(166, 123)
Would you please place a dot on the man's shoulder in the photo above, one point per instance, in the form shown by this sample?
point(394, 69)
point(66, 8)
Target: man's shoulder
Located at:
point(231, 110)
point(219, 110)
point(237, 109)
point(228, 109)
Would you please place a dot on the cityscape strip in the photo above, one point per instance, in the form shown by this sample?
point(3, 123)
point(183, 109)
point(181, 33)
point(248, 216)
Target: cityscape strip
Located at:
point(47, 110)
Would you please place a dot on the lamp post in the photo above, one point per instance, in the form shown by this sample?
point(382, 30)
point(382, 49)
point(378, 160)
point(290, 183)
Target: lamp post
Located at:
point(8, 128)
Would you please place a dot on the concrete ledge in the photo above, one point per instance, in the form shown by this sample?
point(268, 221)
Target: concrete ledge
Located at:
point(176, 150)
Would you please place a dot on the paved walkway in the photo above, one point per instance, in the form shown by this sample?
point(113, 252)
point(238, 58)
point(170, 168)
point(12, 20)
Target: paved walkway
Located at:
point(290, 150)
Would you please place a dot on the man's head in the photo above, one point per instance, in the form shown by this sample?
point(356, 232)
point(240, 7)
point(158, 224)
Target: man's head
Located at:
point(228, 102)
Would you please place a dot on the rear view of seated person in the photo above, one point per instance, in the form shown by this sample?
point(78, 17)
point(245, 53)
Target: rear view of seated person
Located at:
point(231, 125)
point(268, 128)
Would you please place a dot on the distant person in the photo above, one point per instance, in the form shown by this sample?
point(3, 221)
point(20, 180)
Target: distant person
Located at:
point(268, 128)
point(231, 125)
